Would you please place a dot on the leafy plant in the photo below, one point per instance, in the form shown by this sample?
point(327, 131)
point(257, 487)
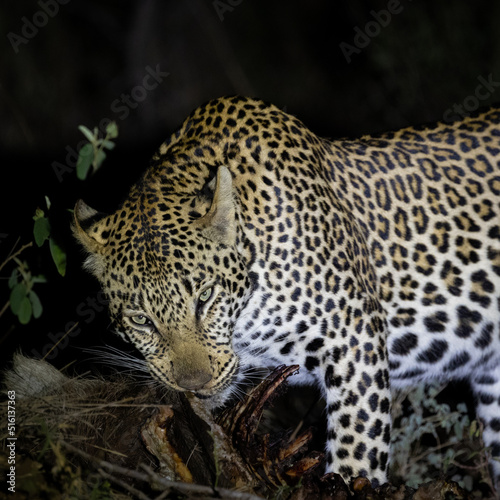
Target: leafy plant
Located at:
point(92, 154)
point(24, 301)
point(41, 232)
point(452, 442)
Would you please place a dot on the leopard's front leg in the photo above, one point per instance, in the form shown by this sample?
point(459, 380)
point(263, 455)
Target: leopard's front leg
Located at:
point(358, 405)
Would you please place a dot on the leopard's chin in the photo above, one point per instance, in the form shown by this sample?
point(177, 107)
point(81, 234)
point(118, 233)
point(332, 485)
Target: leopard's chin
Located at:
point(216, 400)
point(221, 393)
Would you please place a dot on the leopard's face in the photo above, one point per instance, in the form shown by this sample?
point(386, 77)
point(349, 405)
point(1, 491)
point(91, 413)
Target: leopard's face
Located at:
point(175, 289)
point(182, 319)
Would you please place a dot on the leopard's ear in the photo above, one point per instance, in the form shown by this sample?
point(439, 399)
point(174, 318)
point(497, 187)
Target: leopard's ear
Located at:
point(90, 227)
point(219, 223)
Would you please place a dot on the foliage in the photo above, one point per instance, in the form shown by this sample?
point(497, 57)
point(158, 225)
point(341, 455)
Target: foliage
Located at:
point(24, 301)
point(52, 474)
point(430, 438)
point(42, 233)
point(92, 153)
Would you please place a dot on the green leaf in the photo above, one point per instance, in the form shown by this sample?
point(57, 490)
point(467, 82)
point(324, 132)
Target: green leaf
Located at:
point(24, 313)
point(85, 158)
point(87, 133)
point(112, 130)
point(36, 305)
point(13, 278)
point(17, 295)
point(41, 230)
point(38, 214)
point(39, 279)
point(100, 157)
point(108, 144)
point(468, 482)
point(58, 256)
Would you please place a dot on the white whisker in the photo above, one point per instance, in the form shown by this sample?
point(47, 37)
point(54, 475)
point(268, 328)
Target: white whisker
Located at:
point(125, 362)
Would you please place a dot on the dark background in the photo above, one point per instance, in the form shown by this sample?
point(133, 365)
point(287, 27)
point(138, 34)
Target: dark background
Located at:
point(72, 70)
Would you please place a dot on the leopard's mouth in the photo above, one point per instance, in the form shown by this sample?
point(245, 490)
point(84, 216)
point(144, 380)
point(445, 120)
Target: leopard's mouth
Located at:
point(222, 383)
point(212, 389)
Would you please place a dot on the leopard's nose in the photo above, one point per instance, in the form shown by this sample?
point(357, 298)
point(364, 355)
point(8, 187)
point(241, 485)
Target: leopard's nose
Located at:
point(193, 381)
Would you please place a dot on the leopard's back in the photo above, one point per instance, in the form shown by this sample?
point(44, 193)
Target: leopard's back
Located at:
point(428, 200)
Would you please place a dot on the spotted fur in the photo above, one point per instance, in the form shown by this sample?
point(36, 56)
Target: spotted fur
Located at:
point(250, 241)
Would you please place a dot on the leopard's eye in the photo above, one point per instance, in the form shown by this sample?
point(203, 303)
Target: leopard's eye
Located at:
point(140, 319)
point(206, 294)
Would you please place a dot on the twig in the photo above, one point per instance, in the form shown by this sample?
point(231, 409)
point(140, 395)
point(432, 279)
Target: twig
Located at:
point(62, 338)
point(475, 467)
point(206, 491)
point(7, 260)
point(14, 255)
point(5, 307)
point(482, 465)
point(162, 495)
point(123, 484)
point(4, 337)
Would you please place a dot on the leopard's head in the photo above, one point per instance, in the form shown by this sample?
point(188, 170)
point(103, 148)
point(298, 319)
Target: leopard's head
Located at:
point(176, 282)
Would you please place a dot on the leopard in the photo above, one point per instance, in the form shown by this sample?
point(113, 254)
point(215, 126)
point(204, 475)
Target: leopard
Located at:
point(371, 263)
